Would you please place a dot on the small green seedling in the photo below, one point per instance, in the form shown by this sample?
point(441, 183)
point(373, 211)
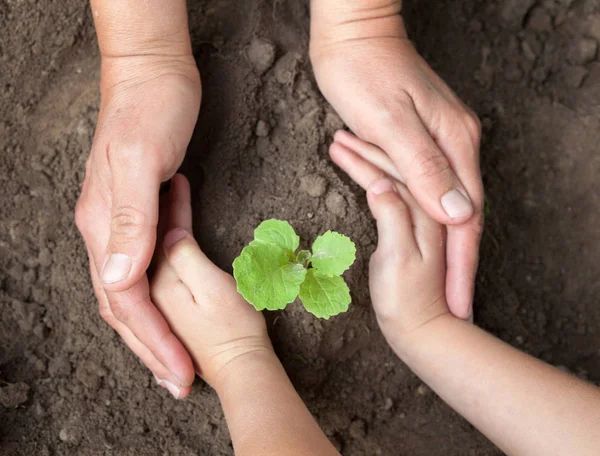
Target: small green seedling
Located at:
point(270, 274)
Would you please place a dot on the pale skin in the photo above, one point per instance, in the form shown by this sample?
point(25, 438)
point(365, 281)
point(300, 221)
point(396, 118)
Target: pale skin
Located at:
point(523, 405)
point(414, 126)
point(228, 342)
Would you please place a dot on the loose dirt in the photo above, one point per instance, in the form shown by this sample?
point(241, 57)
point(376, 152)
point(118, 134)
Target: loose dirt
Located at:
point(68, 386)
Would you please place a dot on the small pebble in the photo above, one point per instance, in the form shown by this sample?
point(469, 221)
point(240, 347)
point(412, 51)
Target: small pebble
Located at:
point(423, 390)
point(388, 403)
point(261, 54)
point(336, 204)
point(357, 429)
point(262, 129)
point(583, 51)
point(63, 435)
point(314, 185)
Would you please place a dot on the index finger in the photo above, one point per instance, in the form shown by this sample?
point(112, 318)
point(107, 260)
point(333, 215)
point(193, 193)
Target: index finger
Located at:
point(462, 255)
point(135, 310)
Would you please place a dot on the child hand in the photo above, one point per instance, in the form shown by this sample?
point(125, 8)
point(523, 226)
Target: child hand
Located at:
point(200, 301)
point(389, 96)
point(407, 270)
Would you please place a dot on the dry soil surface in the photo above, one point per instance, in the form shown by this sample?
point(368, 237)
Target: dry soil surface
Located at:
point(68, 386)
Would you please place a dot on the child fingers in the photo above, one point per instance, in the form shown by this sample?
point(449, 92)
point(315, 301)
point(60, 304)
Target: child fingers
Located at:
point(180, 212)
point(369, 152)
point(190, 264)
point(360, 170)
point(394, 220)
point(386, 204)
point(429, 234)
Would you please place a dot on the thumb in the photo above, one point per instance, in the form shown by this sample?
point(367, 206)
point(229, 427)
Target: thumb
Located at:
point(428, 172)
point(189, 263)
point(394, 221)
point(134, 220)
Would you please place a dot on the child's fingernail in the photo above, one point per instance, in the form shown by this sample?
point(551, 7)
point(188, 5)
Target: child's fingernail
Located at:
point(173, 236)
point(116, 268)
point(456, 204)
point(174, 390)
point(382, 186)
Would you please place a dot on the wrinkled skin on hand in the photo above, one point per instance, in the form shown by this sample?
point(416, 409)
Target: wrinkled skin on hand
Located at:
point(413, 127)
point(148, 111)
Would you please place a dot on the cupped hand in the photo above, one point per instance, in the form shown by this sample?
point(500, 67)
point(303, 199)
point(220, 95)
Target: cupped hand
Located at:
point(199, 300)
point(407, 270)
point(148, 110)
point(412, 125)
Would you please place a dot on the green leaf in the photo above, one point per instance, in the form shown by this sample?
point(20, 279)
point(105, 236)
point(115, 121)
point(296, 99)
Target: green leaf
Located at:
point(266, 278)
point(304, 257)
point(324, 296)
point(277, 232)
point(333, 253)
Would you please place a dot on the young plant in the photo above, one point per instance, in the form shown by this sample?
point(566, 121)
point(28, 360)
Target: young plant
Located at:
point(270, 274)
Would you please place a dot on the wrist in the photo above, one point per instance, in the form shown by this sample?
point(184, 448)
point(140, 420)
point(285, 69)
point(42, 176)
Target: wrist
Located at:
point(126, 71)
point(242, 363)
point(335, 21)
point(130, 27)
point(405, 342)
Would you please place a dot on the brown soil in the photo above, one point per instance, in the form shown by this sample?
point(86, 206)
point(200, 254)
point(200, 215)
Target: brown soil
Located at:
point(67, 383)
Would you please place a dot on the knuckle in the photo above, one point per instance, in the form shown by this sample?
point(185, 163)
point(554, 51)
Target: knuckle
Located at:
point(395, 259)
point(180, 253)
point(108, 316)
point(81, 215)
point(120, 310)
point(386, 117)
point(128, 222)
point(398, 211)
point(473, 126)
point(429, 165)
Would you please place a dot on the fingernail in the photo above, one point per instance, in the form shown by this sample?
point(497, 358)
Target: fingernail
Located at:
point(116, 268)
point(173, 236)
point(174, 390)
point(382, 186)
point(456, 204)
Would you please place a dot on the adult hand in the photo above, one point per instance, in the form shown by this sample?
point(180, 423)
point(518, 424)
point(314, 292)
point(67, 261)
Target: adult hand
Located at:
point(410, 119)
point(149, 107)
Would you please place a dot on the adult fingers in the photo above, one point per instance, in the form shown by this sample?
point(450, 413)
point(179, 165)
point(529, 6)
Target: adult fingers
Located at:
point(428, 173)
point(459, 138)
point(134, 220)
point(136, 311)
point(140, 350)
point(462, 259)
